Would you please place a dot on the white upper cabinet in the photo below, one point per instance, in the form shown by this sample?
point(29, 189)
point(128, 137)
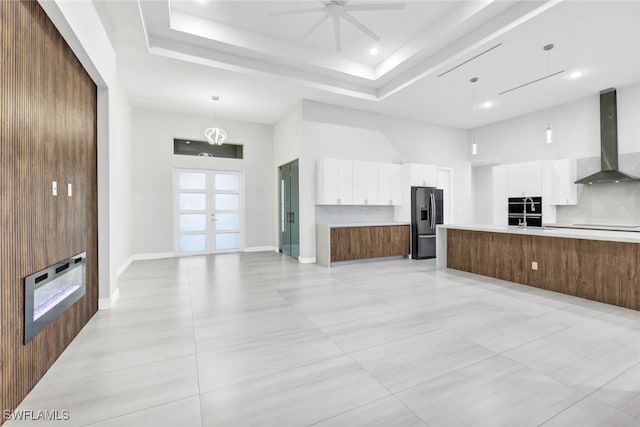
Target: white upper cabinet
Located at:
point(389, 184)
point(524, 179)
point(421, 175)
point(500, 196)
point(334, 182)
point(365, 183)
point(565, 192)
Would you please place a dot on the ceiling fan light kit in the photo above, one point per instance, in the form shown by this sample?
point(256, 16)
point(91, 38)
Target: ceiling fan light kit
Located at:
point(340, 9)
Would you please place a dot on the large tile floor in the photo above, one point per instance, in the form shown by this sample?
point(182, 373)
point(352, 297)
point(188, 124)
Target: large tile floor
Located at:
point(260, 340)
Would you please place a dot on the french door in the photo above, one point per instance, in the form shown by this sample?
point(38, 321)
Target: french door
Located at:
point(208, 211)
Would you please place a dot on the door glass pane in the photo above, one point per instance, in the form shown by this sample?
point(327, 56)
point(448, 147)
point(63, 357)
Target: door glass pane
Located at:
point(192, 243)
point(192, 202)
point(228, 221)
point(192, 180)
point(227, 182)
point(227, 241)
point(193, 222)
point(227, 202)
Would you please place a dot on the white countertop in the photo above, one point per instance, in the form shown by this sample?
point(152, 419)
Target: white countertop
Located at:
point(364, 224)
point(607, 227)
point(613, 236)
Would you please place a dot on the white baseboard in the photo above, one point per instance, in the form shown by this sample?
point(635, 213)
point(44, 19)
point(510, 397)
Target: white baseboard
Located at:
point(124, 266)
point(260, 249)
point(310, 260)
point(107, 303)
point(153, 255)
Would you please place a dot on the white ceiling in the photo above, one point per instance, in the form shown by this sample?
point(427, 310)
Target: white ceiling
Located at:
point(176, 55)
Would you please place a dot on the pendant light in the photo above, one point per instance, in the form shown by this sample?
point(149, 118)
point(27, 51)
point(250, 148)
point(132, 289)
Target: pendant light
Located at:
point(474, 140)
point(549, 130)
point(215, 135)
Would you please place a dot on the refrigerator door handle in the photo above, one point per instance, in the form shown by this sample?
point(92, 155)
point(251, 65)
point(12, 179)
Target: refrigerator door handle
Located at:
point(433, 211)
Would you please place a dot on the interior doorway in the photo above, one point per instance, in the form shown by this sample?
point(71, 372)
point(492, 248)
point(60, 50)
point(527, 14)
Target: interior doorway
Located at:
point(289, 212)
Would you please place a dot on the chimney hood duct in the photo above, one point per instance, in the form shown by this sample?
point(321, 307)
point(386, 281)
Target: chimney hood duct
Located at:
point(608, 143)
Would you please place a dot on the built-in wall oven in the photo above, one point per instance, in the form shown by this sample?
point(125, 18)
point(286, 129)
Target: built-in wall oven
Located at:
point(533, 207)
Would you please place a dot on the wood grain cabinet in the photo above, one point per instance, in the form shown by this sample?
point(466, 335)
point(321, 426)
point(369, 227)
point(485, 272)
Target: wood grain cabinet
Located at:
point(345, 243)
point(598, 270)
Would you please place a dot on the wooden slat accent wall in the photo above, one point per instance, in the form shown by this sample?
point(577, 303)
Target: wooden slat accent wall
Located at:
point(353, 243)
point(48, 133)
point(598, 270)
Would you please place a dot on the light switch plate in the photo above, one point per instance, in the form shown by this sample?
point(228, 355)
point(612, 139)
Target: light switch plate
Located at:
point(69, 189)
point(534, 265)
point(54, 188)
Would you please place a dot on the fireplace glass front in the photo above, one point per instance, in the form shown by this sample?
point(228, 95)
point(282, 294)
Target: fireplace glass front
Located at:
point(50, 292)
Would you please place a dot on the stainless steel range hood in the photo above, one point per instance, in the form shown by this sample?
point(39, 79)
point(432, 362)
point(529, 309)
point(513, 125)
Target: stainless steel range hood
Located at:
point(608, 143)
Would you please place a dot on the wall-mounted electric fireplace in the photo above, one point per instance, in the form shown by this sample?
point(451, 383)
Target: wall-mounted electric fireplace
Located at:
point(50, 292)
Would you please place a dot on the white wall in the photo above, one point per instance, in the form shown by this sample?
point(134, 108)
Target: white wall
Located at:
point(331, 131)
point(287, 139)
point(576, 131)
point(154, 163)
point(121, 187)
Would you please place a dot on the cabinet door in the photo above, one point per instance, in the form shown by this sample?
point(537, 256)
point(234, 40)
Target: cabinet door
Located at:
point(565, 191)
point(345, 182)
point(532, 178)
point(365, 183)
point(422, 175)
point(371, 180)
point(334, 182)
point(500, 195)
point(525, 179)
point(359, 183)
point(327, 182)
point(515, 180)
point(395, 185)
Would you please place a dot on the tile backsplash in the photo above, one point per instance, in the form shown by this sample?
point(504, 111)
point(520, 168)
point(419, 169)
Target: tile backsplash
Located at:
point(605, 203)
point(349, 214)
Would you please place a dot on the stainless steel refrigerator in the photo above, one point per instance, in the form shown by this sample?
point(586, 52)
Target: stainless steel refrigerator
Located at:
point(426, 212)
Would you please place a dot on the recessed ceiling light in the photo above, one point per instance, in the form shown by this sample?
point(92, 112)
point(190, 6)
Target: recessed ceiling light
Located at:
point(487, 104)
point(575, 75)
point(373, 51)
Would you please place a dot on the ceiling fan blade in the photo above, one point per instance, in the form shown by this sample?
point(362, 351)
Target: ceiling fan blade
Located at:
point(315, 26)
point(366, 7)
point(297, 11)
point(336, 32)
point(359, 25)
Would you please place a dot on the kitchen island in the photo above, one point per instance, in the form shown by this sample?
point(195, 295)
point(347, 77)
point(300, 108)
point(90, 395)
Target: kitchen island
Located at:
point(348, 242)
point(594, 264)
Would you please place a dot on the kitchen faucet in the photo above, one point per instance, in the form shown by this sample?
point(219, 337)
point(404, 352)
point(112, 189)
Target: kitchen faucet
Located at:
point(524, 211)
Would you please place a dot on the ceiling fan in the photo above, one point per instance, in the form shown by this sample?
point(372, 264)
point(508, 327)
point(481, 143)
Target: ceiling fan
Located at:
point(336, 9)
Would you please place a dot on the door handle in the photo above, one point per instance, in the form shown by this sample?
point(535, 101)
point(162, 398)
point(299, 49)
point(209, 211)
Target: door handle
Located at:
point(433, 211)
point(293, 217)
